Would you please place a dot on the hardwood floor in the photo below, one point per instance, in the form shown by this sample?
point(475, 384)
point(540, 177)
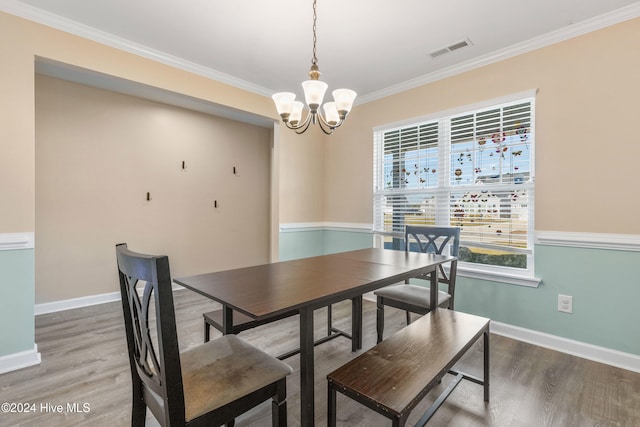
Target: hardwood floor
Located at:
point(84, 362)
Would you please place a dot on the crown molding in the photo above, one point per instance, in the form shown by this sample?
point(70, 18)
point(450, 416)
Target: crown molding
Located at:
point(574, 30)
point(60, 23)
point(55, 21)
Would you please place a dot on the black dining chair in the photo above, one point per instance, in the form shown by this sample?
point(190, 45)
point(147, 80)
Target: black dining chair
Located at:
point(415, 298)
point(209, 384)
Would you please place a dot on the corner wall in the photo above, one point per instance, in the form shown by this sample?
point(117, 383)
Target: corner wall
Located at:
point(586, 157)
point(22, 43)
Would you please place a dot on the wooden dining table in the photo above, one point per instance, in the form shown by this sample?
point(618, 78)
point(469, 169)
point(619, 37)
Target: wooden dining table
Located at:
point(304, 285)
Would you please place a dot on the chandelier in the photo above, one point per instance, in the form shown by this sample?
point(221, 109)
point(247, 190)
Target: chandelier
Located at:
point(335, 112)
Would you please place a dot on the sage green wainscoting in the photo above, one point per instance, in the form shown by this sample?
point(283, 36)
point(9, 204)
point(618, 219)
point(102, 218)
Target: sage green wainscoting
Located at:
point(301, 244)
point(341, 241)
point(17, 330)
point(304, 242)
point(604, 284)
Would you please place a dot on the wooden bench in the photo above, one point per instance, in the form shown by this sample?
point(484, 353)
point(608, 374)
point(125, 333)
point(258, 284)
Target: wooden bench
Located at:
point(395, 375)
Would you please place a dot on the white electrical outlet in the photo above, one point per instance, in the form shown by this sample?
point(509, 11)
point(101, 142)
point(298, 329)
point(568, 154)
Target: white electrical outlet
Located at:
point(565, 303)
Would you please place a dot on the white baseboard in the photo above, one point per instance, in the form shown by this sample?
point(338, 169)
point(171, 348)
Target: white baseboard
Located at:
point(23, 359)
point(68, 304)
point(596, 353)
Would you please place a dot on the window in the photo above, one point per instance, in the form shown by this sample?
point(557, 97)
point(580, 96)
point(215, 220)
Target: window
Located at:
point(473, 169)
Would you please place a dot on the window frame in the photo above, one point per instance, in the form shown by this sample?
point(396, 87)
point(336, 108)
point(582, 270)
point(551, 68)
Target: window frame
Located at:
point(520, 276)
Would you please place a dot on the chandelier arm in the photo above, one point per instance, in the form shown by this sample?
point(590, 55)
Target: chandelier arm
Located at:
point(327, 124)
point(300, 127)
point(305, 123)
point(304, 126)
point(326, 127)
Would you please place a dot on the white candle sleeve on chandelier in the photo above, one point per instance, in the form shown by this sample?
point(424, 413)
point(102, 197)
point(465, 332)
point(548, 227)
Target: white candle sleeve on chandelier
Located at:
point(314, 93)
point(284, 102)
point(344, 99)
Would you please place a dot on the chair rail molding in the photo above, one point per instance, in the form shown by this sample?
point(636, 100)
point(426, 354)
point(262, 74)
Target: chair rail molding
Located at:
point(326, 226)
point(620, 242)
point(13, 241)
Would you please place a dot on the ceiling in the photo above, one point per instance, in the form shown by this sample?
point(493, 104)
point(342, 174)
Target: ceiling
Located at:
point(375, 47)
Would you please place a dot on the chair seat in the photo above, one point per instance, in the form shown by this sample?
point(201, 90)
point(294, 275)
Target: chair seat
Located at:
point(223, 370)
point(412, 294)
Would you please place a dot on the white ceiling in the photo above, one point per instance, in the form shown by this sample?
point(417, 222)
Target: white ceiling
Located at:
point(375, 47)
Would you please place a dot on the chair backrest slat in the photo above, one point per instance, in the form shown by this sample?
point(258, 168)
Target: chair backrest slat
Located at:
point(155, 363)
point(433, 239)
point(437, 240)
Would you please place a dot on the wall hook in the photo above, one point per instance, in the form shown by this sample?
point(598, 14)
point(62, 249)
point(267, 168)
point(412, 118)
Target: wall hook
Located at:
point(148, 196)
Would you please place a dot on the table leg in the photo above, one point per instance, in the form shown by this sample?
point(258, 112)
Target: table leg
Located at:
point(227, 320)
point(433, 294)
point(307, 411)
point(356, 323)
point(486, 366)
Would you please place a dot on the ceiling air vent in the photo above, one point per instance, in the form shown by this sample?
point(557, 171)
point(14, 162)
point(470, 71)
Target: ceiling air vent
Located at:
point(450, 48)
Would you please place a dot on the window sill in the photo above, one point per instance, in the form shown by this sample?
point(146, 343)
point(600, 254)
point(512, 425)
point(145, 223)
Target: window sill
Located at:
point(512, 279)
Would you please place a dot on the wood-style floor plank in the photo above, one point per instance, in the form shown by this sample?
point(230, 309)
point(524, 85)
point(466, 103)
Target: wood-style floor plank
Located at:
point(84, 361)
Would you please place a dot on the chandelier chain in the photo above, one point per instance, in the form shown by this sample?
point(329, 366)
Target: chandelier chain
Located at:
point(314, 61)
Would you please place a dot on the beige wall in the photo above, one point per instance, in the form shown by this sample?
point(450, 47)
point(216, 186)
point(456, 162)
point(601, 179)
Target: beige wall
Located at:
point(23, 41)
point(97, 155)
point(587, 142)
point(588, 88)
point(16, 126)
point(302, 174)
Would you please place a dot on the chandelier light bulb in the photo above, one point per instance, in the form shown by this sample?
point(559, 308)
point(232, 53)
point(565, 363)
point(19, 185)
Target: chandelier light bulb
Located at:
point(284, 103)
point(314, 93)
point(331, 115)
point(296, 113)
point(344, 100)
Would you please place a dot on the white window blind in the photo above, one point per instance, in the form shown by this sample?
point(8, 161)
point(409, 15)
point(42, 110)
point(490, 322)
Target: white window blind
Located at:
point(472, 169)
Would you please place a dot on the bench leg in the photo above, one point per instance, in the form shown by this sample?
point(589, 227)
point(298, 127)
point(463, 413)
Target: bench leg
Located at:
point(331, 406)
point(486, 366)
point(207, 331)
point(279, 405)
point(399, 422)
